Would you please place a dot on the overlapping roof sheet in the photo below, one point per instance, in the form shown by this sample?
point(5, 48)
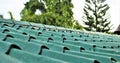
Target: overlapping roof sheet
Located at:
point(26, 42)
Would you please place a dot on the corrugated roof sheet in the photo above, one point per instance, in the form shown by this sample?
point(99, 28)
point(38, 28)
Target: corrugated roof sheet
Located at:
point(26, 42)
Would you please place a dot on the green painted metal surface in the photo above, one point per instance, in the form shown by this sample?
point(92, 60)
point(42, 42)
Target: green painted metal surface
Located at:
point(26, 42)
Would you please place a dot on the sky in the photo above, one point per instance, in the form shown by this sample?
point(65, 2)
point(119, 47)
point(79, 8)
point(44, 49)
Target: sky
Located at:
point(15, 6)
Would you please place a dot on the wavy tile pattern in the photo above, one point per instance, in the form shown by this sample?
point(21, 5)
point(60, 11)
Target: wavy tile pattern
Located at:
point(26, 42)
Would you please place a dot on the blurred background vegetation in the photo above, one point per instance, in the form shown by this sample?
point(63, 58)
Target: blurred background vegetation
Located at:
point(59, 13)
point(51, 12)
point(96, 16)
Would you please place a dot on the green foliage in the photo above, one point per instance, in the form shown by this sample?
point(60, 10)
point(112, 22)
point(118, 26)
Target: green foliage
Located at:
point(53, 12)
point(11, 16)
point(76, 25)
point(1, 16)
point(96, 17)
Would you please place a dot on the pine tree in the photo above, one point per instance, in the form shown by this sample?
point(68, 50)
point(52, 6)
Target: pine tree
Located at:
point(96, 17)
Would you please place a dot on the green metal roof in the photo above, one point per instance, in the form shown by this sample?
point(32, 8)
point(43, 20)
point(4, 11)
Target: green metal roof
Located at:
point(26, 42)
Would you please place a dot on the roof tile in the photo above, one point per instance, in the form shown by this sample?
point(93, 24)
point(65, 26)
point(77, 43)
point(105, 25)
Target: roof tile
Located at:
point(26, 42)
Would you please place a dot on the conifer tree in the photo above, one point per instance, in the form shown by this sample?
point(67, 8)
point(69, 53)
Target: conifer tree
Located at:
point(96, 17)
